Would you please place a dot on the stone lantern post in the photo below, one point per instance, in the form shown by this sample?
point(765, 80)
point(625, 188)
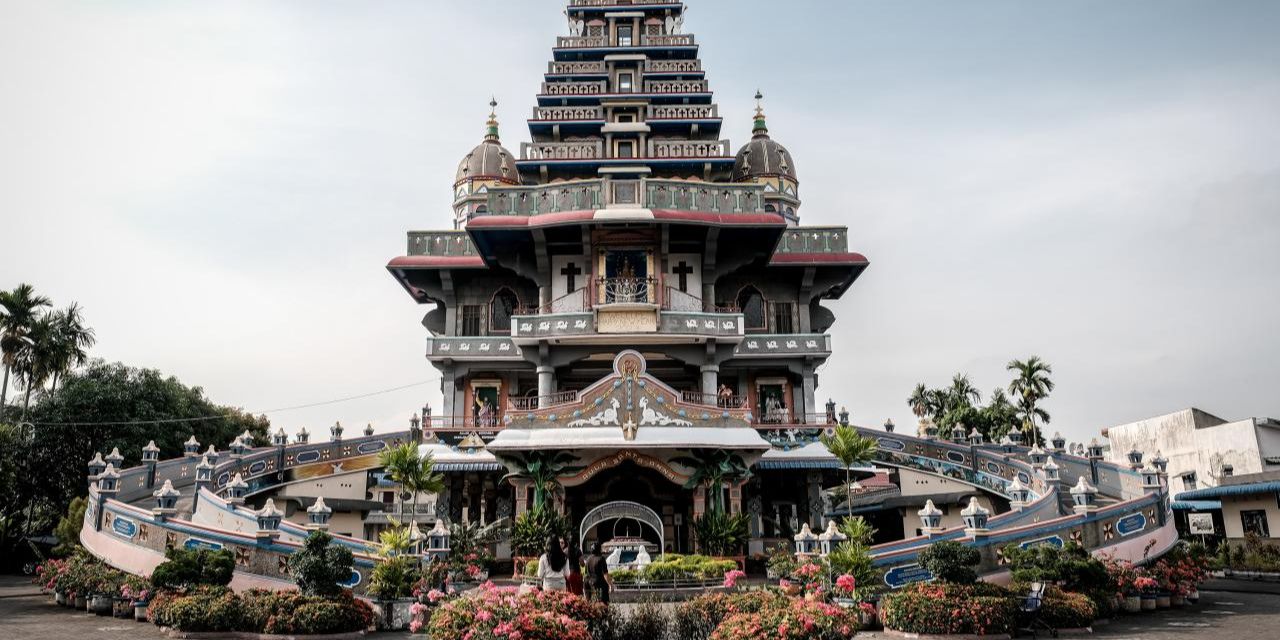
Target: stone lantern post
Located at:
point(806, 542)
point(96, 466)
point(830, 539)
point(975, 518)
point(269, 518)
point(236, 490)
point(930, 519)
point(166, 501)
point(115, 459)
point(1135, 459)
point(438, 541)
point(1058, 443)
point(1084, 497)
point(1019, 495)
point(319, 514)
point(958, 435)
point(1038, 456)
point(303, 436)
point(191, 448)
point(1050, 470)
point(150, 458)
point(975, 437)
point(335, 432)
point(280, 438)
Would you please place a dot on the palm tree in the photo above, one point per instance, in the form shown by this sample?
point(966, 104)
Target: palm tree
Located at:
point(714, 467)
point(412, 471)
point(962, 393)
point(72, 341)
point(543, 470)
point(920, 400)
point(1030, 385)
point(851, 449)
point(18, 311)
point(35, 363)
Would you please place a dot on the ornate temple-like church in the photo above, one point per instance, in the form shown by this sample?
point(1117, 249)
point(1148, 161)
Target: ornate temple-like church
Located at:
point(630, 225)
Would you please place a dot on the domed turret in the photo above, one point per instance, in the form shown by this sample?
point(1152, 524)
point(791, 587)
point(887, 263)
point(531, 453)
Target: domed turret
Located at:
point(765, 161)
point(489, 164)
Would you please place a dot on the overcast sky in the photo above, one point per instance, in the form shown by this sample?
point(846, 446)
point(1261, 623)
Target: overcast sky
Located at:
point(220, 185)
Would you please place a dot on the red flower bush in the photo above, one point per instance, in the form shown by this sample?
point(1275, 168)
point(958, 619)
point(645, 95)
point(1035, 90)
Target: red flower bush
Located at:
point(977, 609)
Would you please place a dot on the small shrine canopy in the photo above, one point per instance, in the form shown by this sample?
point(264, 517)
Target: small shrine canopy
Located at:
point(737, 438)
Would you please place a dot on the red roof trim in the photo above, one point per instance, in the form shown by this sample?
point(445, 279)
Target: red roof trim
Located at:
point(754, 219)
point(436, 262)
point(819, 258)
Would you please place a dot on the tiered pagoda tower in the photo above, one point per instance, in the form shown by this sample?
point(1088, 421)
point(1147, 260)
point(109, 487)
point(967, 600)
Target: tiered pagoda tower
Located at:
point(628, 223)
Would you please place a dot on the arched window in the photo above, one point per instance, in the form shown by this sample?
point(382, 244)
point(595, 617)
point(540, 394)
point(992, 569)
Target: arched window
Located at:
point(501, 308)
point(751, 302)
point(768, 208)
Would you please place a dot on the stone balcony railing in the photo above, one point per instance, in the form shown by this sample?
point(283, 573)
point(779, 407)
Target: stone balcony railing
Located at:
point(587, 150)
point(682, 111)
point(561, 114)
point(582, 195)
point(579, 66)
point(815, 240)
point(574, 88)
point(672, 66)
point(590, 195)
point(669, 40)
point(581, 42)
point(680, 195)
point(689, 148)
point(441, 243)
point(677, 86)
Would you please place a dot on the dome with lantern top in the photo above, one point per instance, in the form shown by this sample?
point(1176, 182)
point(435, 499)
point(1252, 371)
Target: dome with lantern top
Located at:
point(490, 160)
point(763, 157)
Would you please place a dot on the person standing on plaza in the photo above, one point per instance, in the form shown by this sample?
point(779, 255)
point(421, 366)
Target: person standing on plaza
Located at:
point(599, 583)
point(553, 566)
point(575, 569)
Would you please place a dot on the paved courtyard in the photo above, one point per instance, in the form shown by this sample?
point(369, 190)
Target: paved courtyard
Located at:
point(25, 614)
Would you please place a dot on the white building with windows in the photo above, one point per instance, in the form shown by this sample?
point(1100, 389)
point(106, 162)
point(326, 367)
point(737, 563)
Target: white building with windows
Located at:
point(1202, 449)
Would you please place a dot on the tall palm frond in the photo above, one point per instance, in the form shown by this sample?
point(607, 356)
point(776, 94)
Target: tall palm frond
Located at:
point(19, 310)
point(851, 449)
point(1031, 384)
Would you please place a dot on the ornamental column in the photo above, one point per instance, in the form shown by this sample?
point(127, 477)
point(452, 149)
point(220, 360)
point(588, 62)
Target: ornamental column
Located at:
point(710, 380)
point(810, 391)
point(546, 384)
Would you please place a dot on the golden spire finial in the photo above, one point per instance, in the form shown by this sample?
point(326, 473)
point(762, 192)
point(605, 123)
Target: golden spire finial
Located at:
point(760, 127)
point(491, 127)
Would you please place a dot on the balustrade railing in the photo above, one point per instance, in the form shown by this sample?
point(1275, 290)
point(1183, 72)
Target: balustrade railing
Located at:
point(590, 195)
point(781, 417)
point(574, 88)
point(571, 67)
point(676, 86)
point(626, 290)
point(585, 195)
point(688, 148)
point(704, 196)
point(674, 299)
point(590, 150)
point(575, 302)
point(672, 66)
point(441, 243)
point(568, 113)
point(494, 421)
point(530, 403)
point(815, 240)
point(581, 42)
point(725, 401)
point(682, 111)
point(668, 40)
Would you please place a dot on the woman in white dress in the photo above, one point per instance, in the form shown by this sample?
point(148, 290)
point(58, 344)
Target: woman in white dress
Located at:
point(553, 567)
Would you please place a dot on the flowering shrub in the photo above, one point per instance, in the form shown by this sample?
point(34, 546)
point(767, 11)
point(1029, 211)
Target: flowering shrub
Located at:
point(797, 619)
point(845, 585)
point(213, 608)
point(1066, 610)
point(978, 609)
point(731, 579)
point(136, 589)
point(698, 618)
point(494, 613)
point(81, 574)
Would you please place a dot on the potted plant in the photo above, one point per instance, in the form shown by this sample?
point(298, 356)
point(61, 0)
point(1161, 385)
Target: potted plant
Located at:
point(1147, 587)
point(137, 593)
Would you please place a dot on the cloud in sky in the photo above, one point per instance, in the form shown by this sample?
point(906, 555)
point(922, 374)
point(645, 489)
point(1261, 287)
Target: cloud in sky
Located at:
point(220, 184)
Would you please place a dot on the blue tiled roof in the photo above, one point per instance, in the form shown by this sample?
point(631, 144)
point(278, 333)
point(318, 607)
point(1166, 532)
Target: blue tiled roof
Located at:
point(775, 465)
point(468, 466)
point(1253, 488)
point(1196, 505)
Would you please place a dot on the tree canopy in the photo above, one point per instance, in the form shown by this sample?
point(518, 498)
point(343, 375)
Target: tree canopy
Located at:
point(69, 429)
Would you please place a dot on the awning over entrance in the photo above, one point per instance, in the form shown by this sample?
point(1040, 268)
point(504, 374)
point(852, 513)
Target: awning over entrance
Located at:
point(739, 438)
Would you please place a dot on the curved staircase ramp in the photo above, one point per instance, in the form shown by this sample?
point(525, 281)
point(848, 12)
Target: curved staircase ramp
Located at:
point(1128, 522)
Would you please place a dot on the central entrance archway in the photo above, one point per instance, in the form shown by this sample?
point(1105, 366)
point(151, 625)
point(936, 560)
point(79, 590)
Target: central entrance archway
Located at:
point(621, 510)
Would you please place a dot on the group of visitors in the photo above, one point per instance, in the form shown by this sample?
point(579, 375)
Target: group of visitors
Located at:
point(561, 569)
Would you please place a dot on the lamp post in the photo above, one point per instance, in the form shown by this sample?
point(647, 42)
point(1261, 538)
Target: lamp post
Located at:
point(889, 426)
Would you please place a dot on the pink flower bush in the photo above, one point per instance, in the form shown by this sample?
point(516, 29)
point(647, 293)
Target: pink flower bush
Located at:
point(494, 613)
point(810, 570)
point(846, 584)
point(731, 578)
point(790, 619)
